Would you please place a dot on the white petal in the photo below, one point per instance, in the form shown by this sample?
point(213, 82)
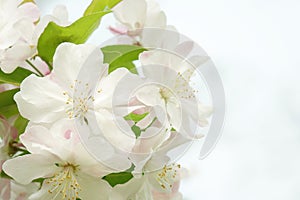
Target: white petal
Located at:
point(60, 12)
point(93, 188)
point(155, 17)
point(131, 13)
point(15, 57)
point(150, 96)
point(107, 87)
point(26, 29)
point(44, 96)
point(26, 168)
point(124, 191)
point(69, 60)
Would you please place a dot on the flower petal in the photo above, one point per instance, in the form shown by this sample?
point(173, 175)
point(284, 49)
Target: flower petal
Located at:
point(131, 13)
point(25, 169)
point(42, 95)
point(69, 60)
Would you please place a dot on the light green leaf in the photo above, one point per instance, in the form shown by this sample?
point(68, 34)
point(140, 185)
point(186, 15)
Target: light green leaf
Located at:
point(8, 105)
point(76, 33)
point(119, 178)
point(122, 56)
point(16, 77)
point(100, 5)
point(135, 117)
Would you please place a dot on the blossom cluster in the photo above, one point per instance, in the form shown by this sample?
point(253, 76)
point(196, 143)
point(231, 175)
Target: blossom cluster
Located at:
point(80, 121)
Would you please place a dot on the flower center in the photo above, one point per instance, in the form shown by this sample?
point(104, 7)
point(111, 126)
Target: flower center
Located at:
point(167, 177)
point(165, 93)
point(64, 183)
point(81, 102)
point(182, 85)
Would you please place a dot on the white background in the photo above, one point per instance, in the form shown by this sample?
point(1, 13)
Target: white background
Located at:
point(256, 47)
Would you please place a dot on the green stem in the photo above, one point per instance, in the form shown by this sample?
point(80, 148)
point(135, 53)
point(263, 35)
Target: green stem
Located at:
point(36, 69)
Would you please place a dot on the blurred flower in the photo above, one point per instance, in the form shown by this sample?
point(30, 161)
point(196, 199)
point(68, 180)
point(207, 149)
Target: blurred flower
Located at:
point(57, 155)
point(9, 190)
point(13, 40)
point(24, 49)
point(8, 135)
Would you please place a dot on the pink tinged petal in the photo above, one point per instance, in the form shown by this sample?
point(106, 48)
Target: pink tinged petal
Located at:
point(25, 169)
point(29, 10)
point(120, 30)
point(5, 189)
point(67, 134)
point(41, 65)
point(38, 139)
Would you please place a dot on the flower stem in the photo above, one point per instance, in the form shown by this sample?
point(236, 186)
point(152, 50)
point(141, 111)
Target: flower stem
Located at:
point(36, 69)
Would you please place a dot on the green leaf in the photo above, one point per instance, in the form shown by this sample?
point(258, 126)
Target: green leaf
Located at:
point(16, 77)
point(21, 124)
point(100, 5)
point(4, 175)
point(137, 130)
point(76, 33)
point(8, 105)
point(135, 117)
point(122, 56)
point(119, 178)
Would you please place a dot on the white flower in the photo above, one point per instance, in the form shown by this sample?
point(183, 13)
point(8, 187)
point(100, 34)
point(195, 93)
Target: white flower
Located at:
point(155, 174)
point(138, 14)
point(174, 93)
point(78, 88)
point(13, 41)
point(57, 155)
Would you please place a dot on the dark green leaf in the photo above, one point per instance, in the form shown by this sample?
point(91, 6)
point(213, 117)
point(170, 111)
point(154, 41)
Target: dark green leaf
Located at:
point(137, 130)
point(21, 124)
point(119, 178)
point(76, 33)
point(8, 105)
point(122, 56)
point(100, 5)
point(4, 175)
point(16, 77)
